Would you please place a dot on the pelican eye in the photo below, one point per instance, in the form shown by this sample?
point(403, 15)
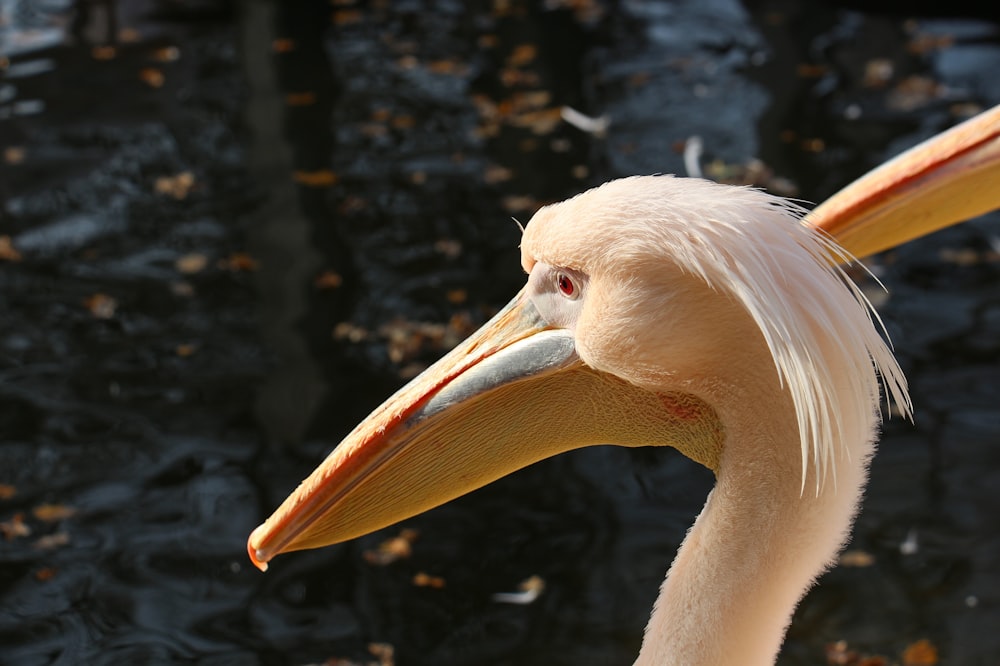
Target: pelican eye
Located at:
point(566, 285)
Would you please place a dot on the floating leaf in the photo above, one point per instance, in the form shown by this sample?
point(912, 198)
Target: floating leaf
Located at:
point(914, 92)
point(347, 17)
point(878, 73)
point(543, 121)
point(239, 262)
point(7, 250)
point(101, 305)
point(283, 45)
point(856, 558)
point(384, 652)
point(50, 513)
point(166, 54)
point(806, 70)
point(527, 592)
point(522, 55)
point(519, 203)
point(13, 154)
point(328, 280)
point(349, 331)
point(921, 653)
point(306, 98)
point(15, 527)
point(186, 349)
point(422, 579)
point(52, 541)
point(177, 186)
point(404, 122)
point(925, 43)
point(129, 36)
point(190, 264)
point(152, 77)
point(391, 550)
point(318, 178)
point(452, 67)
point(45, 573)
point(103, 52)
point(7, 491)
point(497, 174)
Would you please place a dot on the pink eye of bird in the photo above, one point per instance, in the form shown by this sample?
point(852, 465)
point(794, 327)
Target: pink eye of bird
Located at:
point(566, 285)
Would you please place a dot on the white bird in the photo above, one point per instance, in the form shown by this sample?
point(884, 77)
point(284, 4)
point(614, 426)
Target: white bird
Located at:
point(665, 311)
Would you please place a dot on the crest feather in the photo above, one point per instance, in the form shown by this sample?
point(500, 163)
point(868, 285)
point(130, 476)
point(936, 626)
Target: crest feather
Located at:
point(757, 248)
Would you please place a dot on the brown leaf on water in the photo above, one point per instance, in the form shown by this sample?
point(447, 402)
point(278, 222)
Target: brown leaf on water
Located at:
point(129, 36)
point(328, 280)
point(921, 653)
point(389, 551)
point(192, 263)
point(914, 92)
point(806, 70)
point(959, 256)
point(457, 296)
point(14, 154)
point(45, 573)
point(384, 652)
point(527, 592)
point(497, 174)
point(522, 55)
point(166, 54)
point(519, 203)
point(182, 289)
point(449, 67)
point(513, 76)
point(856, 558)
point(307, 98)
point(404, 122)
point(421, 579)
point(318, 178)
point(152, 77)
point(186, 349)
point(15, 528)
point(350, 332)
point(103, 52)
point(7, 491)
point(7, 250)
point(347, 17)
point(52, 541)
point(839, 654)
point(925, 43)
point(813, 145)
point(50, 513)
point(878, 73)
point(177, 186)
point(239, 262)
point(283, 45)
point(101, 305)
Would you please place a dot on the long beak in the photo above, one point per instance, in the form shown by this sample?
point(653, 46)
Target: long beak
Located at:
point(947, 179)
point(512, 394)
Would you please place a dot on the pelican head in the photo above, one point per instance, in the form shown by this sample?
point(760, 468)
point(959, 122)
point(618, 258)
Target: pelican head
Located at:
point(657, 311)
point(665, 311)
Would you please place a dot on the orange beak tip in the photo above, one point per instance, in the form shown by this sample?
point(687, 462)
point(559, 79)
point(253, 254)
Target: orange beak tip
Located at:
point(254, 553)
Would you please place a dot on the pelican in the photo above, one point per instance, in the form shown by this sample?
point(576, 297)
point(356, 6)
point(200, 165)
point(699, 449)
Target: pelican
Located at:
point(662, 311)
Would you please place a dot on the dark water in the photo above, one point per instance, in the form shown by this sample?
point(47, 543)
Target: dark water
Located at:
point(240, 229)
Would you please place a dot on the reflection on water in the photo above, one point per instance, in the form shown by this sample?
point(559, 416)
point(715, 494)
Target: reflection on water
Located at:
point(235, 233)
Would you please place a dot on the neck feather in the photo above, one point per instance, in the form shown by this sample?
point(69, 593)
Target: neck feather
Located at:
point(760, 541)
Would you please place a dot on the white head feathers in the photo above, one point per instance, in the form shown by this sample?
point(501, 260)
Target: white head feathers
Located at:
point(756, 249)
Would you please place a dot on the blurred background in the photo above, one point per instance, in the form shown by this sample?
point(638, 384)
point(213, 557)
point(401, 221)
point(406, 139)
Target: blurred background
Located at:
point(229, 229)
